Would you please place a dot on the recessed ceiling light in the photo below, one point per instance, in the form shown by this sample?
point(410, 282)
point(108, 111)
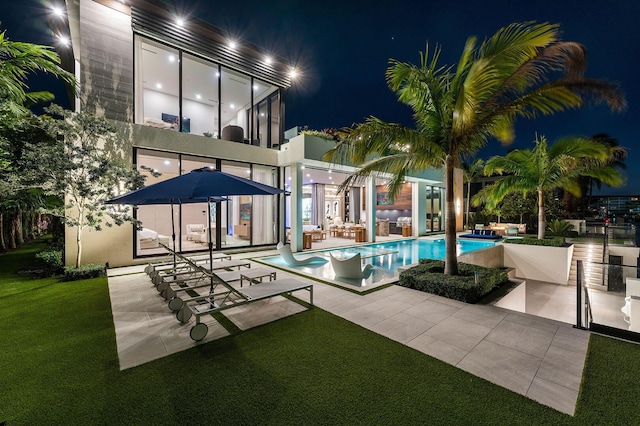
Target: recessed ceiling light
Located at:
point(330, 177)
point(289, 177)
point(248, 171)
point(302, 167)
point(198, 96)
point(232, 44)
point(167, 162)
point(57, 11)
point(63, 40)
point(172, 58)
point(329, 171)
point(268, 60)
point(180, 22)
point(158, 86)
point(262, 114)
point(308, 175)
point(311, 180)
point(255, 87)
point(232, 106)
point(217, 73)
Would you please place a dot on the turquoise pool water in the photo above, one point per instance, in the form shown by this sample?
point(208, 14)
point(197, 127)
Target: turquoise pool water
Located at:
point(385, 257)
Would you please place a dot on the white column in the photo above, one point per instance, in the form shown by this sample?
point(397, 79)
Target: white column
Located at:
point(370, 190)
point(296, 207)
point(418, 209)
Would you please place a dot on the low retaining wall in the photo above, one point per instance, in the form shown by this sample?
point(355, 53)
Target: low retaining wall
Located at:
point(490, 257)
point(541, 263)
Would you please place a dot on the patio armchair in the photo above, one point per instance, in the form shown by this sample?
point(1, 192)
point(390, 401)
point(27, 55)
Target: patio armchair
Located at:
point(291, 260)
point(351, 267)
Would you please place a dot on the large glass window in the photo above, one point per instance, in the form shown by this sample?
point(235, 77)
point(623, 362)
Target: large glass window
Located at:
point(156, 219)
point(157, 85)
point(209, 100)
point(435, 196)
point(235, 105)
point(265, 97)
point(200, 98)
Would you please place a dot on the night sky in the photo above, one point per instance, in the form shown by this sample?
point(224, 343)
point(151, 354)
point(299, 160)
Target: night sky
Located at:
point(342, 49)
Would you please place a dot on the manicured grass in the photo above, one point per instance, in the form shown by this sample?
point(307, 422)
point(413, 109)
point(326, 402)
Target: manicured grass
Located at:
point(60, 366)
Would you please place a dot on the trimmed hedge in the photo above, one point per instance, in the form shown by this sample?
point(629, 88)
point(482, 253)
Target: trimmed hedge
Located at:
point(87, 271)
point(533, 241)
point(52, 261)
point(429, 277)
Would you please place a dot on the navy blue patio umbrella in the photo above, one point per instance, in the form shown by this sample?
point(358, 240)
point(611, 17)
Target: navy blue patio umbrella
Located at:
point(204, 185)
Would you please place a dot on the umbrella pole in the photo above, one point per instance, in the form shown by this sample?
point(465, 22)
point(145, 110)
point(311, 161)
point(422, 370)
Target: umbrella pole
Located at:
point(173, 238)
point(210, 242)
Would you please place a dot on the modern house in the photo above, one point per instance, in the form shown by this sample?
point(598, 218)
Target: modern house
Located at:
point(185, 96)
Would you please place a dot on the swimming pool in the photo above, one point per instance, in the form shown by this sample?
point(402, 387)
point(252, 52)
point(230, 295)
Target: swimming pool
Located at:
point(385, 257)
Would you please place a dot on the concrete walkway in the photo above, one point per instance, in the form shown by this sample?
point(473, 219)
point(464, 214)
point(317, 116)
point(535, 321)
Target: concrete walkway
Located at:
point(540, 358)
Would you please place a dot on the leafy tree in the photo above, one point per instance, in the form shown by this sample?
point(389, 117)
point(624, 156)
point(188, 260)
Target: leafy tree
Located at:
point(547, 168)
point(19, 60)
point(471, 172)
point(523, 70)
point(82, 170)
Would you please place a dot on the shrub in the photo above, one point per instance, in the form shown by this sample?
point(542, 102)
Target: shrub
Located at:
point(429, 277)
point(560, 227)
point(51, 260)
point(89, 270)
point(548, 241)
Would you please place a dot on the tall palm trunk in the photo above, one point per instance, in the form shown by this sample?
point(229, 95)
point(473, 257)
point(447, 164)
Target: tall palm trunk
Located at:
point(19, 229)
point(450, 261)
point(542, 220)
point(3, 245)
point(13, 241)
point(468, 202)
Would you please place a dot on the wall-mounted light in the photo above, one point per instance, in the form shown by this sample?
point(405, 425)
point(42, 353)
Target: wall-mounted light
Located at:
point(63, 40)
point(57, 11)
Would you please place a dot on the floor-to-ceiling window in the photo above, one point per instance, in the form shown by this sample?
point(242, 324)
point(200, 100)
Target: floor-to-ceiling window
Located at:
point(435, 208)
point(200, 98)
point(179, 91)
point(157, 85)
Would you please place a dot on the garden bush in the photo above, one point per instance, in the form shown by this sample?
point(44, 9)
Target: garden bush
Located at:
point(51, 260)
point(89, 270)
point(548, 241)
point(429, 277)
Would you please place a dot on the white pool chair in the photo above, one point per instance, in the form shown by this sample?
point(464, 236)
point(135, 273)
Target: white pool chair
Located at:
point(291, 260)
point(351, 267)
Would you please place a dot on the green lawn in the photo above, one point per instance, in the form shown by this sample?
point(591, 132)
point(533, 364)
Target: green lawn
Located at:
point(60, 366)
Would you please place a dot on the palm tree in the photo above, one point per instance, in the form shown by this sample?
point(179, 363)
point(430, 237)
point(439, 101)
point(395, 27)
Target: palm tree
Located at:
point(471, 172)
point(523, 70)
point(18, 60)
point(547, 168)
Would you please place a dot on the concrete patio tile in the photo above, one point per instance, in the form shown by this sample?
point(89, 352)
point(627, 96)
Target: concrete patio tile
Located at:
point(506, 367)
point(402, 327)
point(387, 307)
point(521, 337)
point(553, 395)
point(364, 317)
point(538, 323)
point(177, 338)
point(479, 314)
point(447, 301)
point(407, 295)
point(261, 312)
point(429, 310)
point(457, 332)
point(572, 339)
point(139, 347)
point(437, 349)
point(563, 367)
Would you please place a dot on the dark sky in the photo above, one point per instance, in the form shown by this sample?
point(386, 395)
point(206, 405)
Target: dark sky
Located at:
point(343, 48)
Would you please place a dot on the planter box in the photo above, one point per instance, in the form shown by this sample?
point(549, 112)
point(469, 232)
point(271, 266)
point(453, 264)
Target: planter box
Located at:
point(550, 264)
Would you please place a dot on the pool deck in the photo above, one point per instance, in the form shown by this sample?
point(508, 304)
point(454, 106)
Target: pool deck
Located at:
point(537, 357)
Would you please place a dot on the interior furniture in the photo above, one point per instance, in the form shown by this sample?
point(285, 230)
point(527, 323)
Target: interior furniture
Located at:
point(195, 231)
point(241, 230)
point(233, 133)
point(148, 239)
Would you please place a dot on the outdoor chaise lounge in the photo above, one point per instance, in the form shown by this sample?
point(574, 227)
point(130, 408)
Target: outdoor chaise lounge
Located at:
point(291, 260)
point(351, 267)
point(484, 234)
point(231, 297)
